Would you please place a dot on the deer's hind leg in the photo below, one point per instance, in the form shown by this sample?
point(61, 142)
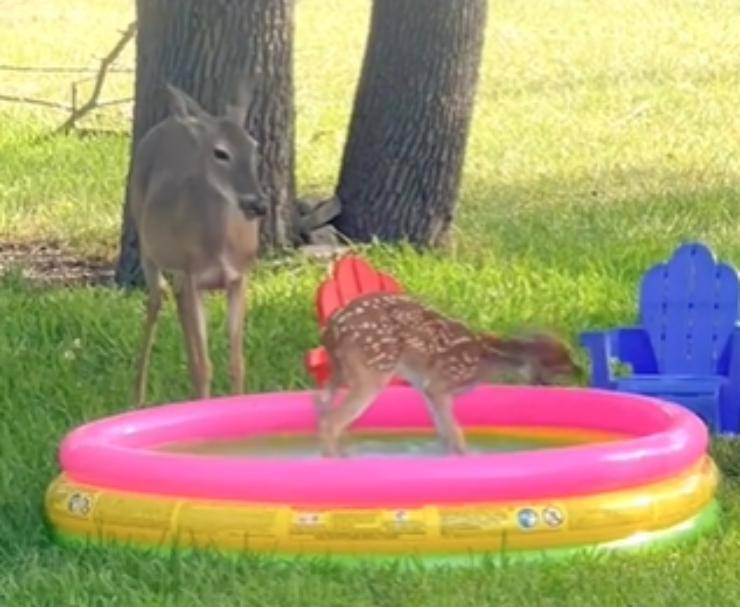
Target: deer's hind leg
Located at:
point(336, 420)
point(156, 286)
point(324, 395)
point(363, 386)
point(440, 405)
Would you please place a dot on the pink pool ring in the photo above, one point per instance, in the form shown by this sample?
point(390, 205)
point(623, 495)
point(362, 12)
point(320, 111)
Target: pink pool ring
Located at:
point(648, 444)
point(662, 440)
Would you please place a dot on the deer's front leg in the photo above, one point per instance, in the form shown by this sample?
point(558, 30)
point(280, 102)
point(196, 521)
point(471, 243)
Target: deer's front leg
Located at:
point(237, 304)
point(441, 408)
point(192, 318)
point(155, 288)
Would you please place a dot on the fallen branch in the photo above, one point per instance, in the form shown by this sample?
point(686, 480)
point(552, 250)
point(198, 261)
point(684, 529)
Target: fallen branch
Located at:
point(105, 63)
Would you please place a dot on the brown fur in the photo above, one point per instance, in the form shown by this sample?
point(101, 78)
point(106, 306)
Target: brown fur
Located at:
point(196, 203)
point(381, 335)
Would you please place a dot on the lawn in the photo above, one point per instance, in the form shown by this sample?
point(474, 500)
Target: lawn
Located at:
point(605, 133)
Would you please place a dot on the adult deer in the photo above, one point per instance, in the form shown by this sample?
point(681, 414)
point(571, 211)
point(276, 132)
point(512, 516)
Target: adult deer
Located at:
point(381, 335)
point(196, 201)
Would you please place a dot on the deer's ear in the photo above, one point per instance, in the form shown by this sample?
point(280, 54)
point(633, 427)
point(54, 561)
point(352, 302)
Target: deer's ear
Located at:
point(182, 105)
point(237, 109)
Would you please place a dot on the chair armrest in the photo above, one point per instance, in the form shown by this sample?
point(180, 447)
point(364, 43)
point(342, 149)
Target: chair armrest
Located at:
point(628, 345)
point(632, 345)
point(734, 370)
point(599, 349)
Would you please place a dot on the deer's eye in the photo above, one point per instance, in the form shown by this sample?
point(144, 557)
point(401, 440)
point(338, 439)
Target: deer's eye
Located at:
point(221, 154)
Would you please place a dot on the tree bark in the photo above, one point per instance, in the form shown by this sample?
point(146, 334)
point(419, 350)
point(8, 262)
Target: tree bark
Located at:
point(403, 159)
point(203, 47)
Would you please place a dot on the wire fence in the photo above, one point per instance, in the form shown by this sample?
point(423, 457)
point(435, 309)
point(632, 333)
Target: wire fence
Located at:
point(77, 109)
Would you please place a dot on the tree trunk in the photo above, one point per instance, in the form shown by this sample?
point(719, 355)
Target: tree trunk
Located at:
point(203, 48)
point(403, 159)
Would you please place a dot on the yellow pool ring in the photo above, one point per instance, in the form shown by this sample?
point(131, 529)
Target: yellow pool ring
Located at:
point(97, 514)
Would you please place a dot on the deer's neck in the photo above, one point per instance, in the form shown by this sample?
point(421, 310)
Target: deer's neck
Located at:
point(504, 359)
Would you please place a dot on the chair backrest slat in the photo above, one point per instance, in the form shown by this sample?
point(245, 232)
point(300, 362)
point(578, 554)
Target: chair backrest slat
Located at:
point(351, 277)
point(689, 307)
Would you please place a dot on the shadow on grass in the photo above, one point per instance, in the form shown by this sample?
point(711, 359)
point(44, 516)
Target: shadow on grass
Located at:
point(576, 223)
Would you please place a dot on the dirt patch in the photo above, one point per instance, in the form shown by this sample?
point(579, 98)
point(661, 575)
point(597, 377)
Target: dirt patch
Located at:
point(51, 264)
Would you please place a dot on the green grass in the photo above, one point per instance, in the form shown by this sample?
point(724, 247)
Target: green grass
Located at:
point(604, 134)
point(67, 358)
point(601, 124)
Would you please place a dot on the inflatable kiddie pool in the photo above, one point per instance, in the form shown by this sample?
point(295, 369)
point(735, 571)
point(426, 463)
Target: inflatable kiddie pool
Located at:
point(603, 470)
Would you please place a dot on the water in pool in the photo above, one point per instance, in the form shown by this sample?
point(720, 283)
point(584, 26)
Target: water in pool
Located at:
point(364, 444)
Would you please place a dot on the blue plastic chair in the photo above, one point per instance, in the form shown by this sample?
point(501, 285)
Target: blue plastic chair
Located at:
point(686, 347)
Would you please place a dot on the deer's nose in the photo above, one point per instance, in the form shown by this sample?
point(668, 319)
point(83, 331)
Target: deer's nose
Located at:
point(253, 204)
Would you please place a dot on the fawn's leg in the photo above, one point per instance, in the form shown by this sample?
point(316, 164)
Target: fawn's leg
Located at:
point(440, 406)
point(334, 421)
point(323, 401)
point(155, 287)
point(235, 326)
point(192, 318)
point(324, 396)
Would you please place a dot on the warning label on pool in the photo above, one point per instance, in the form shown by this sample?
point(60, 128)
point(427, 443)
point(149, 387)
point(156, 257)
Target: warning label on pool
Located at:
point(359, 524)
point(464, 523)
point(553, 516)
point(80, 504)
